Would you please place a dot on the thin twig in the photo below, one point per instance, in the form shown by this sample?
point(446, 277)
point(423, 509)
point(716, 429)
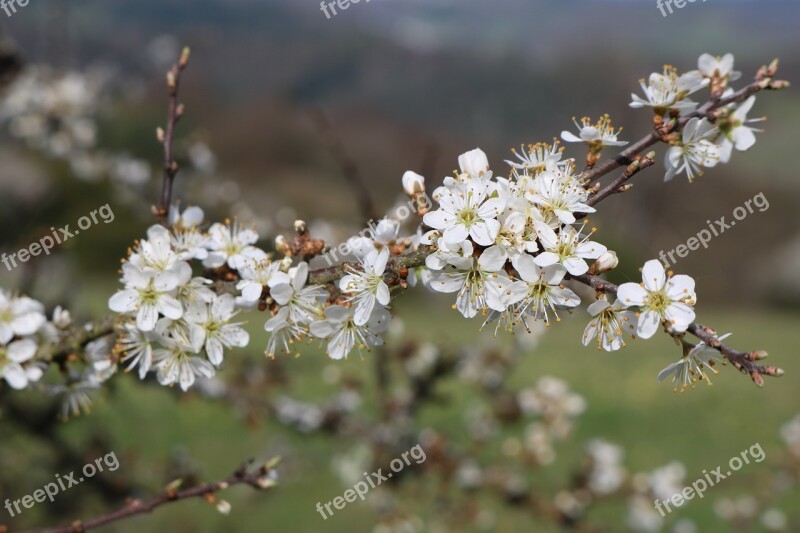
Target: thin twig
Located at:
point(743, 361)
point(174, 112)
point(260, 478)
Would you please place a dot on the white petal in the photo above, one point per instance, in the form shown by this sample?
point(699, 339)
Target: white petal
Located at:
point(282, 293)
point(21, 351)
point(631, 294)
point(383, 295)
point(251, 291)
point(439, 219)
point(679, 287)
point(648, 324)
point(169, 307)
point(147, 317)
point(527, 268)
point(124, 301)
point(15, 376)
point(456, 234)
point(546, 259)
point(448, 282)
point(484, 232)
point(669, 370)
point(653, 275)
point(576, 266)
point(679, 315)
point(214, 351)
point(743, 138)
point(363, 309)
point(492, 259)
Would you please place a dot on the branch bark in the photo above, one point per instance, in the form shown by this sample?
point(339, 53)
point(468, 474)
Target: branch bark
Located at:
point(174, 113)
point(260, 479)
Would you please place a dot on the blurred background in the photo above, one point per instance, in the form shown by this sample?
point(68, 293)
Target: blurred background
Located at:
point(275, 92)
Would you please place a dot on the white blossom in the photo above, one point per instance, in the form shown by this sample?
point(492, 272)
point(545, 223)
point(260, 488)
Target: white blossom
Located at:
point(344, 334)
point(365, 287)
point(660, 298)
point(693, 152)
point(213, 320)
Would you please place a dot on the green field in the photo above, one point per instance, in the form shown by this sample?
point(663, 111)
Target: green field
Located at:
point(702, 428)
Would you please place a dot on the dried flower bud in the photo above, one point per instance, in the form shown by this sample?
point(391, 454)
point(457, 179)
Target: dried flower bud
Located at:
point(413, 183)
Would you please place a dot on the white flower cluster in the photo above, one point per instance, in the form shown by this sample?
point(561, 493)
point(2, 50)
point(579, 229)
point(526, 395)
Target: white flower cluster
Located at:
point(701, 143)
point(21, 318)
point(483, 224)
point(503, 245)
point(29, 342)
point(174, 323)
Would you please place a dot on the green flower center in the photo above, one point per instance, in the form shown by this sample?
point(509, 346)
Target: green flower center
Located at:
point(468, 216)
point(658, 301)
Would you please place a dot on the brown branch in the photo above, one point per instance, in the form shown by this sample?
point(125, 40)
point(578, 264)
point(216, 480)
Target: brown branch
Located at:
point(631, 170)
point(174, 113)
point(628, 155)
point(259, 479)
point(745, 362)
point(347, 165)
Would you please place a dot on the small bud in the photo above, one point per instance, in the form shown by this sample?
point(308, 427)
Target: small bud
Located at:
point(160, 135)
point(272, 463)
point(172, 487)
point(474, 163)
point(300, 226)
point(266, 482)
point(758, 356)
point(774, 371)
point(413, 183)
point(184, 60)
point(607, 261)
point(223, 507)
point(772, 69)
point(180, 110)
point(779, 85)
point(283, 246)
point(171, 83)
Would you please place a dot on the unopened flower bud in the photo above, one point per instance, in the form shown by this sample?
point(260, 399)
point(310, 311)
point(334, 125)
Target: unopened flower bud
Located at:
point(223, 507)
point(300, 226)
point(266, 482)
point(282, 245)
point(184, 59)
point(606, 262)
point(413, 183)
point(474, 162)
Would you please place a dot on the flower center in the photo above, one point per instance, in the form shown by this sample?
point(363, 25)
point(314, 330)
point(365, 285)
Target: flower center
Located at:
point(658, 301)
point(468, 216)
